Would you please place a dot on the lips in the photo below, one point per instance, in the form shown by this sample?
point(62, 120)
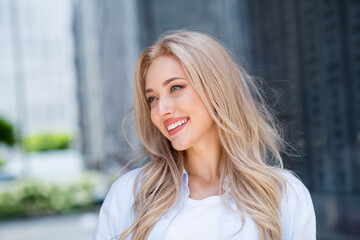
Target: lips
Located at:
point(172, 121)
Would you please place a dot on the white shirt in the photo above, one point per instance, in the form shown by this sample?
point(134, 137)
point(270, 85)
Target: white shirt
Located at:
point(297, 213)
point(199, 219)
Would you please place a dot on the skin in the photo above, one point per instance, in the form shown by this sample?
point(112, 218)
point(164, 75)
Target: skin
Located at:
point(199, 138)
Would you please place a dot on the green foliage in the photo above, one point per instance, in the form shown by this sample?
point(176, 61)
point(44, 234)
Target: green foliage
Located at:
point(7, 133)
point(2, 162)
point(48, 141)
point(30, 197)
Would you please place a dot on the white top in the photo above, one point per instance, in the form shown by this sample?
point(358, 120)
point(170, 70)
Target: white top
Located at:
point(296, 213)
point(199, 219)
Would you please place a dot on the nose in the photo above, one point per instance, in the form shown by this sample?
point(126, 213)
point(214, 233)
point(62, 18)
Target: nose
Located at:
point(165, 106)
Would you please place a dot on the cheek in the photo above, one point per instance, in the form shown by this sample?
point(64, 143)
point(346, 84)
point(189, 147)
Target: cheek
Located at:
point(198, 106)
point(202, 113)
point(155, 120)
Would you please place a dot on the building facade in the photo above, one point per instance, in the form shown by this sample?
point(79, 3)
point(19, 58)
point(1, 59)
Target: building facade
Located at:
point(37, 73)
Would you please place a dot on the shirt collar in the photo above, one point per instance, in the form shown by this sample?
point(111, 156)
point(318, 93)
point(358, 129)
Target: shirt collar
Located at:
point(185, 182)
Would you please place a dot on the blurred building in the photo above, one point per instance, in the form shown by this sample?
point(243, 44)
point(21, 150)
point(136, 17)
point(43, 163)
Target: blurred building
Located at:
point(37, 73)
point(105, 34)
point(86, 39)
point(309, 53)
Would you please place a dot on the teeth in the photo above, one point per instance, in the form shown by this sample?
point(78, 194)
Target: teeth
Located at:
point(174, 125)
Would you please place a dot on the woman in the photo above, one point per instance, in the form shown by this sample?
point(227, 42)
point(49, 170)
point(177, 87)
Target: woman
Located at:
point(215, 170)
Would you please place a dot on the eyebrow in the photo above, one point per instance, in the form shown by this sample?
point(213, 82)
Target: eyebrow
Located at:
point(165, 83)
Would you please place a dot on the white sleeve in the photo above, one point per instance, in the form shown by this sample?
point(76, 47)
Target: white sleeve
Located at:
point(115, 214)
point(305, 226)
point(298, 215)
point(107, 217)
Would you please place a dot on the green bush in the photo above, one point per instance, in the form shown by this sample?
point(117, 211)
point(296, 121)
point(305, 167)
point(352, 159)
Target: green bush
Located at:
point(2, 162)
point(30, 197)
point(7, 133)
point(45, 142)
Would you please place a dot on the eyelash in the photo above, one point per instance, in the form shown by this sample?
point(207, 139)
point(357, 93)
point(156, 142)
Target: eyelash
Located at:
point(175, 86)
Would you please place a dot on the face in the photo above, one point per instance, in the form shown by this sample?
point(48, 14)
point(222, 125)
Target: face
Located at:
point(176, 108)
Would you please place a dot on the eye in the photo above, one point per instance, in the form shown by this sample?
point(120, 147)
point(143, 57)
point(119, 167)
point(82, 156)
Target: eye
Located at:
point(175, 88)
point(151, 99)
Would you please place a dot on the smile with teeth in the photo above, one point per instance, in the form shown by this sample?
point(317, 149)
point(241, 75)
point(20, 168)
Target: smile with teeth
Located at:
point(175, 125)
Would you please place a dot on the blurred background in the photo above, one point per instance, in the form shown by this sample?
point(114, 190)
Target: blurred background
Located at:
point(66, 71)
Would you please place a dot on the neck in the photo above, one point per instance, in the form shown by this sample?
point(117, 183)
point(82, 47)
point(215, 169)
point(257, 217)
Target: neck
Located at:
point(203, 161)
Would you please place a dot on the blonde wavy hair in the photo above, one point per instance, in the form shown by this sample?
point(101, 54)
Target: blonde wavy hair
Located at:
point(251, 162)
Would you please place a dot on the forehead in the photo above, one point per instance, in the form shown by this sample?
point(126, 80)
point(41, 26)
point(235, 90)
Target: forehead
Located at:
point(162, 69)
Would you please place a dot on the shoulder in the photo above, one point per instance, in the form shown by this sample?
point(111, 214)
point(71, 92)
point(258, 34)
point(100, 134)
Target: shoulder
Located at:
point(294, 183)
point(115, 213)
point(297, 211)
point(294, 190)
point(121, 193)
point(125, 182)
point(122, 190)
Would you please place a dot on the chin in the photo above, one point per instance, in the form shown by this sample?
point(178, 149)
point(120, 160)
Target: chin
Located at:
point(179, 147)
